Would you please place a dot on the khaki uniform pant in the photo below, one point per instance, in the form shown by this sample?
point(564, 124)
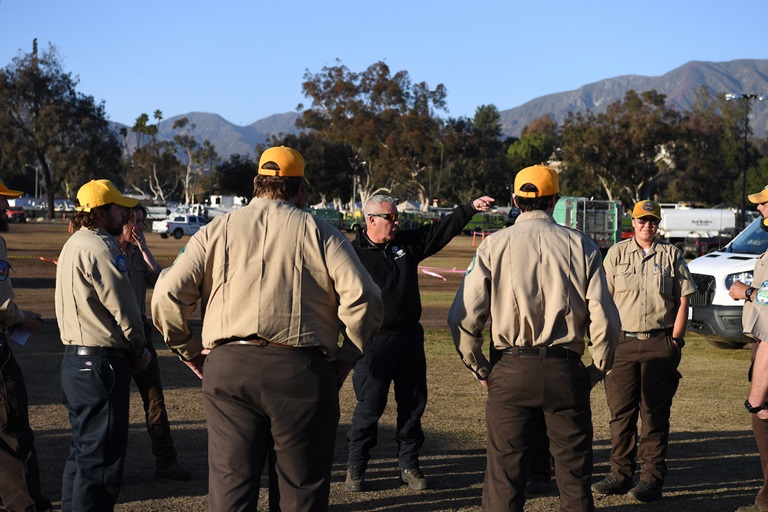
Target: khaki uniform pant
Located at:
point(643, 382)
point(520, 389)
point(151, 390)
point(255, 396)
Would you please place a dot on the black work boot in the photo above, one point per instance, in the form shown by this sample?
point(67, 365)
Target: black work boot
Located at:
point(174, 471)
point(646, 491)
point(354, 482)
point(612, 485)
point(414, 478)
point(537, 487)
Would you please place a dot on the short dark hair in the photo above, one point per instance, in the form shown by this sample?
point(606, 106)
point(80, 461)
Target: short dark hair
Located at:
point(529, 204)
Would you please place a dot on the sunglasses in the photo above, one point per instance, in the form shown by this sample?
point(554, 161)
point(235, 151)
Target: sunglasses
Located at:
point(643, 222)
point(391, 217)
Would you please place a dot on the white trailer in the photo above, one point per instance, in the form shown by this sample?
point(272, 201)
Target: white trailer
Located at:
point(677, 223)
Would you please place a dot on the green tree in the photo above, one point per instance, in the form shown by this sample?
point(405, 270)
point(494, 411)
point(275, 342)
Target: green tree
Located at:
point(625, 149)
point(235, 175)
point(703, 171)
point(388, 122)
point(538, 142)
point(153, 162)
point(207, 157)
point(473, 157)
point(456, 180)
point(329, 166)
point(46, 123)
point(739, 148)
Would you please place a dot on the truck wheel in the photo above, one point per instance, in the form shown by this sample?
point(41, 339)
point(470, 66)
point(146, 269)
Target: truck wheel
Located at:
point(178, 233)
point(727, 344)
point(163, 235)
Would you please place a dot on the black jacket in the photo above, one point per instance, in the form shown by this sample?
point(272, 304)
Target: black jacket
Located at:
point(394, 266)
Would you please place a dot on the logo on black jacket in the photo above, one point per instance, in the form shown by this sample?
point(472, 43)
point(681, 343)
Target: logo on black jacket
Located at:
point(398, 252)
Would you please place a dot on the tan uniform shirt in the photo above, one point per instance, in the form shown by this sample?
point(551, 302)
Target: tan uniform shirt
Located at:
point(95, 304)
point(543, 285)
point(140, 276)
point(755, 313)
point(647, 287)
point(10, 314)
point(271, 271)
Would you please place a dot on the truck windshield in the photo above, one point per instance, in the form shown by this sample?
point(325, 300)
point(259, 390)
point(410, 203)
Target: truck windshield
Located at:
point(752, 240)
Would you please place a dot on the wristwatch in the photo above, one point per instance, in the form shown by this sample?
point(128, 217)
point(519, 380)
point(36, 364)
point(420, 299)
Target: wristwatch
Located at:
point(748, 293)
point(753, 410)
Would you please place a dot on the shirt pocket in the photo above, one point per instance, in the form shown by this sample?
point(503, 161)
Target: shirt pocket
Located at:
point(664, 279)
point(625, 278)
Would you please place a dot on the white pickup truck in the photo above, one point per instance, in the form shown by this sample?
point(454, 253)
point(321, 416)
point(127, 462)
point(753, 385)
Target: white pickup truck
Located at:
point(713, 313)
point(179, 225)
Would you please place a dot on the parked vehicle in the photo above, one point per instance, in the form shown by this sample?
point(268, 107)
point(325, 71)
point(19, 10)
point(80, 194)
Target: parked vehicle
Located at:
point(598, 219)
point(677, 223)
point(332, 217)
point(703, 242)
point(179, 225)
point(713, 313)
point(486, 222)
point(16, 214)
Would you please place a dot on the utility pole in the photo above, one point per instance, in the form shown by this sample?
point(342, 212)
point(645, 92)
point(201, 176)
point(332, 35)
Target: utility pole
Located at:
point(746, 100)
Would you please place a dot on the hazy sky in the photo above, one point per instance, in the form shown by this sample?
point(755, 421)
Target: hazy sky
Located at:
point(245, 60)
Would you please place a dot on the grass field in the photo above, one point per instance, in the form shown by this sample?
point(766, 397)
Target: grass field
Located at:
point(712, 457)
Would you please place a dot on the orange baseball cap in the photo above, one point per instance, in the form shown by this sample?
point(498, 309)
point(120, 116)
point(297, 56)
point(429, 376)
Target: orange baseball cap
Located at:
point(646, 209)
point(6, 192)
point(289, 161)
point(544, 178)
point(760, 197)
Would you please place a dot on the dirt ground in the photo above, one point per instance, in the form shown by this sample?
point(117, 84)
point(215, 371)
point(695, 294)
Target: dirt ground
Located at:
point(712, 458)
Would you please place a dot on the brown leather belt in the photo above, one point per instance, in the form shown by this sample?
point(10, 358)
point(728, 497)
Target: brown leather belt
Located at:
point(648, 334)
point(264, 344)
point(542, 352)
point(79, 350)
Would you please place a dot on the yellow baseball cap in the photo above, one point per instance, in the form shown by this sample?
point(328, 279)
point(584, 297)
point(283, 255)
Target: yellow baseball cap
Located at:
point(6, 192)
point(97, 193)
point(544, 178)
point(646, 209)
point(289, 161)
point(760, 197)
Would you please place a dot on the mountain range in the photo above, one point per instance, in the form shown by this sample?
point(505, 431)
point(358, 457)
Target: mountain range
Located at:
point(744, 76)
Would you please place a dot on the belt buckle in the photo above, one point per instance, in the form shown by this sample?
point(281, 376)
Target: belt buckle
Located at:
point(643, 335)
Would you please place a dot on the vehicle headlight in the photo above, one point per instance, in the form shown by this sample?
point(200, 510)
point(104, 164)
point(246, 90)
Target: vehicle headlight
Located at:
point(744, 277)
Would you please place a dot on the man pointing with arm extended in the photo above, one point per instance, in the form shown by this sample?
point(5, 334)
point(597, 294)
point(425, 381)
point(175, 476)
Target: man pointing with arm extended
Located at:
point(396, 354)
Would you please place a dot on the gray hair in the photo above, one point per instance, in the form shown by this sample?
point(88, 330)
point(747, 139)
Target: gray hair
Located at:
point(378, 199)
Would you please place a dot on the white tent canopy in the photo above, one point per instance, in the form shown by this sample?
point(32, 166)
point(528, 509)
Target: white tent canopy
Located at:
point(408, 206)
